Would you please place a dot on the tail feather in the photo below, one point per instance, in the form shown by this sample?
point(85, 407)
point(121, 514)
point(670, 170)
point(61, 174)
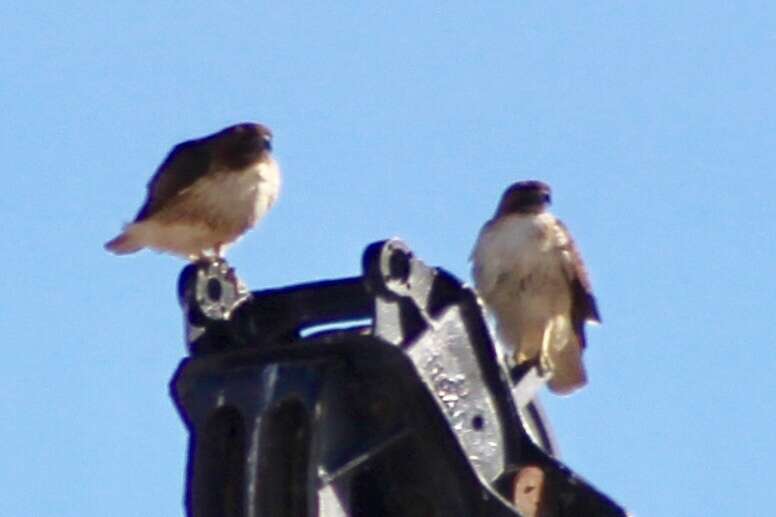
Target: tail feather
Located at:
point(122, 245)
point(562, 354)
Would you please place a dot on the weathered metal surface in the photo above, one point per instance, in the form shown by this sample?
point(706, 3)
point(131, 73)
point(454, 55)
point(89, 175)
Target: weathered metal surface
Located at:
point(407, 410)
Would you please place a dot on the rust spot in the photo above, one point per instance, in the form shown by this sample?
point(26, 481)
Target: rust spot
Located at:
point(527, 490)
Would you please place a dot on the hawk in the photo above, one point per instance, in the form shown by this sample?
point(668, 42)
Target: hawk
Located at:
point(530, 275)
point(205, 195)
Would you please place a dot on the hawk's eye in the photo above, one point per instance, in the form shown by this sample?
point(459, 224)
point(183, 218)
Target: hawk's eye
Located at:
point(268, 142)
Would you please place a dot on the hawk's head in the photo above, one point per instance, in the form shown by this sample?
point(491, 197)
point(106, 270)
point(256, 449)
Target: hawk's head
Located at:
point(524, 197)
point(242, 145)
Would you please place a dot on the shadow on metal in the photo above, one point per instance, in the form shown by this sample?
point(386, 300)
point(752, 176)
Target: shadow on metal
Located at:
point(377, 395)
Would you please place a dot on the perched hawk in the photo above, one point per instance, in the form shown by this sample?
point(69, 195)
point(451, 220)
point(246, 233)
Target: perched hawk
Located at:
point(205, 195)
point(530, 275)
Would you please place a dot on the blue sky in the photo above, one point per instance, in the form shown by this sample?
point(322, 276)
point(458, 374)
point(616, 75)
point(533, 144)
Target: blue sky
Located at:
point(653, 121)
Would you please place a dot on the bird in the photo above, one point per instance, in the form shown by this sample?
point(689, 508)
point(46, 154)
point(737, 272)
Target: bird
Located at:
point(205, 195)
point(530, 276)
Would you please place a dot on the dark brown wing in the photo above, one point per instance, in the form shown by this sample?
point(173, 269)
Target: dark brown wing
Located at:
point(185, 164)
point(584, 307)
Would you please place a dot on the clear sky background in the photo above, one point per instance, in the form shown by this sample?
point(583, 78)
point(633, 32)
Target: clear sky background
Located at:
point(654, 123)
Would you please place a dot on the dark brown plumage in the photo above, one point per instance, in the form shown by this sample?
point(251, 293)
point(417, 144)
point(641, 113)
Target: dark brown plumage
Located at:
point(205, 194)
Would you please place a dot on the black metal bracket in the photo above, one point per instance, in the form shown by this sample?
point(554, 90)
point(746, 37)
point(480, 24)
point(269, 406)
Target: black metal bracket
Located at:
point(377, 395)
